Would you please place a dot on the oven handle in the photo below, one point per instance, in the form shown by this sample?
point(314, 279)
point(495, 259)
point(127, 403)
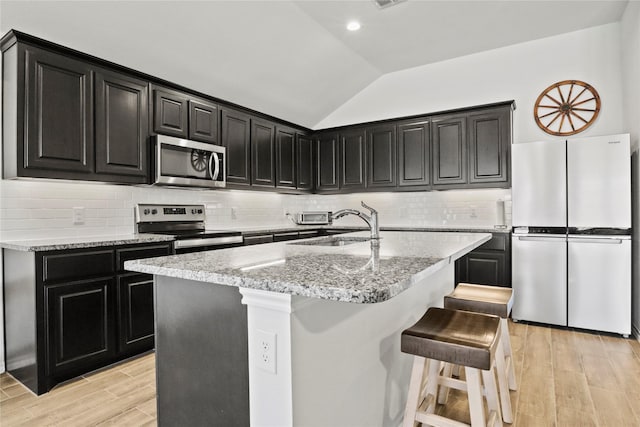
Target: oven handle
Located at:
point(211, 241)
point(215, 172)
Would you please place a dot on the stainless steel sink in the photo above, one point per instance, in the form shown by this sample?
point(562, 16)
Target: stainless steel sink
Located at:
point(332, 241)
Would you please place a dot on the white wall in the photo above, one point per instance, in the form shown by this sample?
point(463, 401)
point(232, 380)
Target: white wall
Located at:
point(630, 26)
point(520, 72)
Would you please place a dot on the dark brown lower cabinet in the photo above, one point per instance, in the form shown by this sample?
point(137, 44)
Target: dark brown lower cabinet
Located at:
point(135, 313)
point(80, 326)
point(68, 312)
point(489, 264)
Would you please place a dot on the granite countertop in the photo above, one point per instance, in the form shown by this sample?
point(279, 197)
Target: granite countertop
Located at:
point(358, 272)
point(62, 243)
point(291, 228)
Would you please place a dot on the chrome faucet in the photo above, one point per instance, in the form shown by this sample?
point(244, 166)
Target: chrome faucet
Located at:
point(372, 221)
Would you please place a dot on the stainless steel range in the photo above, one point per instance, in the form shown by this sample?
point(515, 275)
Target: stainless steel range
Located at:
point(187, 224)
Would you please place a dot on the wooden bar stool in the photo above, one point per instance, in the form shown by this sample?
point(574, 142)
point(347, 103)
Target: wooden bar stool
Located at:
point(462, 338)
point(496, 301)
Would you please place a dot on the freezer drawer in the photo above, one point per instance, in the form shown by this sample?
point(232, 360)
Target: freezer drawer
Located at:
point(539, 279)
point(599, 288)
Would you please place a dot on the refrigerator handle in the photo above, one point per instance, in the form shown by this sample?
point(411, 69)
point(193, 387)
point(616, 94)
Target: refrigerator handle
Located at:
point(608, 241)
point(538, 239)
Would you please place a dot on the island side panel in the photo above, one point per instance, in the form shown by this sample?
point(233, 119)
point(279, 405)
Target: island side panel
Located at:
point(202, 372)
point(20, 317)
point(347, 367)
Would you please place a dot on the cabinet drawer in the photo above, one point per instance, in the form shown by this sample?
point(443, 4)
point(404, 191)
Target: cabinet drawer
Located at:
point(308, 234)
point(281, 237)
point(78, 264)
point(498, 242)
point(259, 239)
point(127, 254)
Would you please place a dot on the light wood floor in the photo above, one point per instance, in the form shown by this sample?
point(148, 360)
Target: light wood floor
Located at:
point(565, 378)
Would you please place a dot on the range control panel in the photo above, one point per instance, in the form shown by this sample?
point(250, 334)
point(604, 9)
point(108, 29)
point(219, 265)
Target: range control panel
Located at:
point(161, 213)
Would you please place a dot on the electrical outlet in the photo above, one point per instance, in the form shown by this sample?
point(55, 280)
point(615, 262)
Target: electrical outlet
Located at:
point(78, 216)
point(265, 352)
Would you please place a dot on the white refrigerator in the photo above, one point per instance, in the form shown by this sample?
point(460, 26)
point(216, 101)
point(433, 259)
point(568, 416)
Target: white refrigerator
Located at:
point(571, 249)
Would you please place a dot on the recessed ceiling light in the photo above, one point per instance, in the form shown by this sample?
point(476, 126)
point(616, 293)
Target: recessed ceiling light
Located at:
point(353, 26)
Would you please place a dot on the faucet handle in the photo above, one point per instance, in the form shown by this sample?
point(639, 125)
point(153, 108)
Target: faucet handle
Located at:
point(364, 205)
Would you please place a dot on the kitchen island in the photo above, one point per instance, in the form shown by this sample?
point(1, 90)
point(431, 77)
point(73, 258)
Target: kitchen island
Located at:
point(299, 333)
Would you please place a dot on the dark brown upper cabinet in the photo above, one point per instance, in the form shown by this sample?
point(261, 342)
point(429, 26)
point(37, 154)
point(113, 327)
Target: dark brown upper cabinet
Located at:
point(236, 131)
point(352, 159)
point(184, 116)
point(489, 146)
point(263, 165)
point(170, 112)
point(414, 153)
point(69, 119)
point(449, 135)
point(327, 162)
point(58, 100)
point(286, 157)
point(203, 121)
point(381, 156)
point(121, 124)
point(304, 164)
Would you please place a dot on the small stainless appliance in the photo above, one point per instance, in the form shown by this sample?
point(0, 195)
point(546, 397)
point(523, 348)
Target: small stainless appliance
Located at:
point(312, 218)
point(185, 163)
point(187, 224)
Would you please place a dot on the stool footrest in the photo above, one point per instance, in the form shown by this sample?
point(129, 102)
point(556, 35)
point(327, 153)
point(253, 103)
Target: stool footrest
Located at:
point(437, 420)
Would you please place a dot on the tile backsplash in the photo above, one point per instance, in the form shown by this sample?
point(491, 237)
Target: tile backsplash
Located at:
point(31, 209)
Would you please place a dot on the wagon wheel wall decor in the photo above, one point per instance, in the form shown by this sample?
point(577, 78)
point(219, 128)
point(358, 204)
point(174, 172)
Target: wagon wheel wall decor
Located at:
point(567, 107)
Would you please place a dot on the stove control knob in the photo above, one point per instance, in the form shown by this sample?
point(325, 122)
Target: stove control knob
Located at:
point(154, 211)
point(193, 211)
point(146, 211)
point(199, 211)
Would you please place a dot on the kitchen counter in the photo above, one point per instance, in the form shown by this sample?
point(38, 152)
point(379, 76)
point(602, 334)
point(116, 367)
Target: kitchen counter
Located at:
point(291, 228)
point(357, 272)
point(63, 243)
point(311, 334)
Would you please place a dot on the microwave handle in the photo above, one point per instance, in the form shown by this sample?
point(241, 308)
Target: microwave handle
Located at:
point(214, 171)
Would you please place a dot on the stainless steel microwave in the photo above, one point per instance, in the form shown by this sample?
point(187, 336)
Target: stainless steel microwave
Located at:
point(185, 163)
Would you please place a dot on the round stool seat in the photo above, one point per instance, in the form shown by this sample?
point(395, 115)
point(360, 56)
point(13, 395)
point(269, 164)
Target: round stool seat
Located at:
point(481, 299)
point(458, 337)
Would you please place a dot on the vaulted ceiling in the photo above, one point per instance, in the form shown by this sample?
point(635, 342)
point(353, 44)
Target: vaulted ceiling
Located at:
point(293, 59)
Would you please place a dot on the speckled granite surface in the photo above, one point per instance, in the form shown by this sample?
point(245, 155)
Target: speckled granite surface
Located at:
point(284, 229)
point(357, 272)
point(62, 243)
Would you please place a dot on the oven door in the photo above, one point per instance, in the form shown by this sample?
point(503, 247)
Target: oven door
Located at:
point(185, 163)
point(206, 244)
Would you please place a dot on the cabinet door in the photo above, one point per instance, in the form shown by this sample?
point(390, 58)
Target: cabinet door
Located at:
point(121, 124)
point(304, 166)
point(481, 267)
point(414, 152)
point(203, 122)
point(263, 163)
point(327, 162)
point(80, 325)
point(352, 159)
point(381, 154)
point(236, 128)
point(449, 135)
point(489, 145)
point(285, 157)
point(135, 313)
point(59, 109)
point(170, 113)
